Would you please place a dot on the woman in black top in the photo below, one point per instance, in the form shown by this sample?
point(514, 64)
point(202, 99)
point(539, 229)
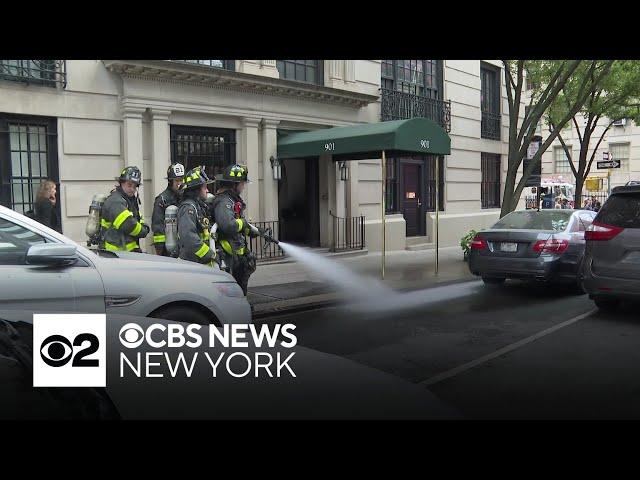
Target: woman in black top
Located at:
point(45, 207)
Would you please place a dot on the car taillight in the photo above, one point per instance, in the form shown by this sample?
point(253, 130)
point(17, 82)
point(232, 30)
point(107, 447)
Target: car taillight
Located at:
point(601, 232)
point(478, 243)
point(552, 245)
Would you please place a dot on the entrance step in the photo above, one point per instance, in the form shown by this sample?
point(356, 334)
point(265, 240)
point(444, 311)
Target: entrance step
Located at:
point(417, 240)
point(320, 251)
point(420, 246)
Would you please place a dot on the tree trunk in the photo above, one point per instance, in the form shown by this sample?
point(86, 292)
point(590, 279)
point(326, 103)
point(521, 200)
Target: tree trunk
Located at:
point(580, 177)
point(509, 185)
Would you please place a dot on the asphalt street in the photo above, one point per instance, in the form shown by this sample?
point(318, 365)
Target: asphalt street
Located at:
point(517, 351)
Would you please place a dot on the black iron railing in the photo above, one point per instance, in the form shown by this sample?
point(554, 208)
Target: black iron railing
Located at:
point(257, 244)
point(48, 73)
point(348, 233)
point(399, 106)
point(225, 64)
point(490, 126)
point(587, 200)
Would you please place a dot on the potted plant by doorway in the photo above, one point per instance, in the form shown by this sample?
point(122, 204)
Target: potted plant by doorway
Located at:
point(465, 243)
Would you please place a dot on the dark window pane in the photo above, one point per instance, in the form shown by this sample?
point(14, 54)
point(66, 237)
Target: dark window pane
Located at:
point(290, 71)
point(621, 210)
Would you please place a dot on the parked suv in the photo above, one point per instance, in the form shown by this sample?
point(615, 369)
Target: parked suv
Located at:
point(611, 270)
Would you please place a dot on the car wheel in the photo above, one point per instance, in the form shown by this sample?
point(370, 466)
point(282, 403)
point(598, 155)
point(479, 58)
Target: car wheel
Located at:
point(493, 280)
point(607, 304)
point(182, 313)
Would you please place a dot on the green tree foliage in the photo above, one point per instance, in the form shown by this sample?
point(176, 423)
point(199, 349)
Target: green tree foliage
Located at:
point(616, 97)
point(549, 78)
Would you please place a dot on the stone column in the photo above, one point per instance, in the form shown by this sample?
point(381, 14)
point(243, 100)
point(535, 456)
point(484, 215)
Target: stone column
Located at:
point(160, 154)
point(349, 71)
point(132, 135)
point(269, 185)
point(250, 151)
point(340, 187)
point(354, 200)
point(133, 140)
point(268, 68)
point(336, 73)
point(133, 155)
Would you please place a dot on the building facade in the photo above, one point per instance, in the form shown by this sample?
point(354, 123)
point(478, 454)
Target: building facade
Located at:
point(621, 141)
point(80, 121)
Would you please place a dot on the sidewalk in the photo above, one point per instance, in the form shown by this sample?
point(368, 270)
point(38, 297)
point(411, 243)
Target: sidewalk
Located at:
point(291, 286)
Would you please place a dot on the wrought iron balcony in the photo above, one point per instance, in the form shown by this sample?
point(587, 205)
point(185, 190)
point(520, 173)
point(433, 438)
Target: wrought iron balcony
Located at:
point(399, 106)
point(226, 64)
point(490, 126)
point(49, 73)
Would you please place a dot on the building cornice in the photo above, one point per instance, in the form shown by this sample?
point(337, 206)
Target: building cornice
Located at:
point(218, 78)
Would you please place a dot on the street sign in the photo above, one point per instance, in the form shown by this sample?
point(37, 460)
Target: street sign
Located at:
point(593, 184)
point(608, 164)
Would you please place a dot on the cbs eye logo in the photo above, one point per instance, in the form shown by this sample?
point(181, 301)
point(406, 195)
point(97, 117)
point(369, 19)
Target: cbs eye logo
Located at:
point(57, 351)
point(69, 350)
point(131, 335)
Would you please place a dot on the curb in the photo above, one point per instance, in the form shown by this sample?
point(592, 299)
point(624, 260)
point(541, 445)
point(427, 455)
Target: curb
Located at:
point(295, 305)
point(312, 302)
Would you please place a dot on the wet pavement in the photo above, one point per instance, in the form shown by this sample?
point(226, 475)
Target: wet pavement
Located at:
point(562, 358)
point(404, 270)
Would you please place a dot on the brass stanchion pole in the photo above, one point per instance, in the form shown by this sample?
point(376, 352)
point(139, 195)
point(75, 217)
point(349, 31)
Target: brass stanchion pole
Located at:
point(437, 210)
point(384, 188)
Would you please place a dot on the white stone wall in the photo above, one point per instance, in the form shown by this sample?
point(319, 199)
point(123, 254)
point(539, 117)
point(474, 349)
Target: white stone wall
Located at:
point(107, 120)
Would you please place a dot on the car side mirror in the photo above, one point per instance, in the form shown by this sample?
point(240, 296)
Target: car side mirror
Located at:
point(52, 254)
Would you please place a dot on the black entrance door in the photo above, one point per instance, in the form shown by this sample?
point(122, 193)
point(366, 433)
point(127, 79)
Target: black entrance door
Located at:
point(298, 200)
point(411, 198)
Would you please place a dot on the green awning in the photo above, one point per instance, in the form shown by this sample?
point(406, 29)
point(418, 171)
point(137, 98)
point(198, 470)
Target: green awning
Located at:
point(416, 135)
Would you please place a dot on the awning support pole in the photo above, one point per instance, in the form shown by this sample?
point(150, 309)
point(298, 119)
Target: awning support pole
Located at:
point(437, 210)
point(384, 186)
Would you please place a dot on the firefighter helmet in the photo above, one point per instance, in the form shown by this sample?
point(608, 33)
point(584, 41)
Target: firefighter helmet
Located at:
point(130, 173)
point(234, 173)
point(174, 171)
point(194, 178)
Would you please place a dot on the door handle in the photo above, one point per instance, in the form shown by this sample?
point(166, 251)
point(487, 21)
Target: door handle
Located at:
point(419, 203)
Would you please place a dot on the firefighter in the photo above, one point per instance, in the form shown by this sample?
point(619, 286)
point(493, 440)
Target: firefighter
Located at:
point(193, 221)
point(233, 228)
point(170, 196)
point(123, 227)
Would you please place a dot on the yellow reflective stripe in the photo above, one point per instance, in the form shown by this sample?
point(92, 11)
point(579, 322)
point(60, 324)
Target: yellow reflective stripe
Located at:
point(205, 235)
point(115, 248)
point(159, 238)
point(240, 223)
point(104, 223)
point(202, 251)
point(136, 229)
point(121, 218)
point(111, 247)
point(226, 246)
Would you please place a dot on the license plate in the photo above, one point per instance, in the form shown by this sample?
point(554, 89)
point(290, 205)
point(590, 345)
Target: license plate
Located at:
point(509, 247)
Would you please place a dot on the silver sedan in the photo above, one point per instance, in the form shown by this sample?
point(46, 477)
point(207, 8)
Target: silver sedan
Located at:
point(44, 271)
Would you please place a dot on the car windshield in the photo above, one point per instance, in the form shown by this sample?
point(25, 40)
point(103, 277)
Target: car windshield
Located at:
point(533, 220)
